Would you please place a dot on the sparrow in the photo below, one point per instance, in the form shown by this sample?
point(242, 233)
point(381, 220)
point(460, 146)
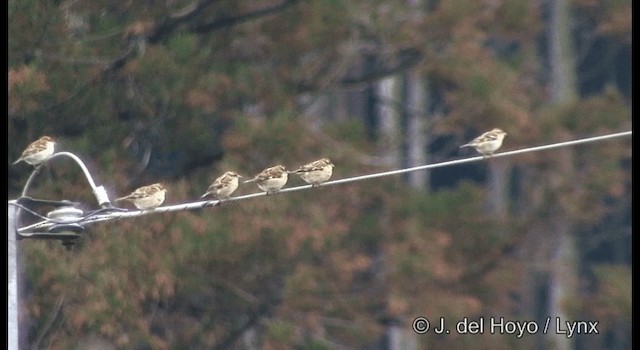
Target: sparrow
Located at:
point(488, 142)
point(146, 197)
point(272, 179)
point(223, 186)
point(315, 172)
point(38, 151)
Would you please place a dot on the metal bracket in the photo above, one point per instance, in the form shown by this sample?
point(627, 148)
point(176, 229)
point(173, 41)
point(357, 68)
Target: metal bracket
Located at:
point(65, 228)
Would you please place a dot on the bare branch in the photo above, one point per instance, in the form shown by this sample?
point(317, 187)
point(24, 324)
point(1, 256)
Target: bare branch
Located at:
point(403, 61)
point(234, 20)
point(166, 27)
point(47, 326)
point(169, 24)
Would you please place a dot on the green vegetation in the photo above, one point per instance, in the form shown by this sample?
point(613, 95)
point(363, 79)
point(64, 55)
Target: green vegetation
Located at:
point(150, 92)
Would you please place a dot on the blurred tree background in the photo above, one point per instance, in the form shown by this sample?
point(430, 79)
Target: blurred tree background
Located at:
point(182, 90)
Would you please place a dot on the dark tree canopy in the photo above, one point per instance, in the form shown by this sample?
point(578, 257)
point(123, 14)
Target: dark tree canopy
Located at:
point(181, 91)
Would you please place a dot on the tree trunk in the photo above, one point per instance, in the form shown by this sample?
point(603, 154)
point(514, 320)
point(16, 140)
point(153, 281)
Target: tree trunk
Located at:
point(250, 339)
point(497, 203)
point(387, 98)
point(416, 133)
point(564, 259)
point(561, 53)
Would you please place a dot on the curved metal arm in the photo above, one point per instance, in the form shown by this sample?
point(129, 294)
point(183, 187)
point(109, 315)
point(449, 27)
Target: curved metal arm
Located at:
point(98, 191)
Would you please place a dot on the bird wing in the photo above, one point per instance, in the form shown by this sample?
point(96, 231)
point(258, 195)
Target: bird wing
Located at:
point(313, 166)
point(270, 173)
point(489, 136)
point(140, 193)
point(216, 185)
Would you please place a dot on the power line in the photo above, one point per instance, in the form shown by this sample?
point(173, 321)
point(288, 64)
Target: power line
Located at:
point(99, 217)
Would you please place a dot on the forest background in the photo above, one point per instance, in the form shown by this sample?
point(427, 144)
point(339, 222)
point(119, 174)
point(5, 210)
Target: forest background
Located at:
point(180, 91)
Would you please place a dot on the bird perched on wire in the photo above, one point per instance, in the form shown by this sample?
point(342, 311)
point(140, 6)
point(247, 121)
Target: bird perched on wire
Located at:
point(38, 151)
point(272, 179)
point(146, 197)
point(487, 143)
point(223, 186)
point(315, 172)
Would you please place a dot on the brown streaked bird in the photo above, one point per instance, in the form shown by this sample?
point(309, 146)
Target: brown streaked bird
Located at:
point(271, 180)
point(316, 172)
point(146, 197)
point(38, 151)
point(223, 186)
point(487, 143)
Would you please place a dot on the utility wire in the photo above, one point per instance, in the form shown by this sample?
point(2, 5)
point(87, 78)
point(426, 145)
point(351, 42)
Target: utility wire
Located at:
point(210, 203)
point(90, 214)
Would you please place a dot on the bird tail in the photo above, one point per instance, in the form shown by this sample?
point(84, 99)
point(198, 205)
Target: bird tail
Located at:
point(248, 181)
point(121, 199)
point(206, 194)
point(17, 161)
point(465, 145)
